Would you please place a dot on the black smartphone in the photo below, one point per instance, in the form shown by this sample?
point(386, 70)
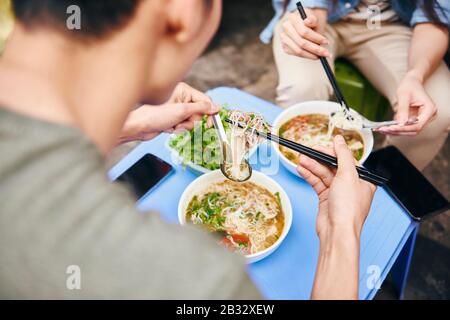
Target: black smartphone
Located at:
point(146, 174)
point(407, 184)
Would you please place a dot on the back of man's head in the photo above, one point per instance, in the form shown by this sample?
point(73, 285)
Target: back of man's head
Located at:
point(99, 16)
point(175, 31)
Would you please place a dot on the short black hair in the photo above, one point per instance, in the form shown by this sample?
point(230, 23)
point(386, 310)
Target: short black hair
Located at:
point(98, 17)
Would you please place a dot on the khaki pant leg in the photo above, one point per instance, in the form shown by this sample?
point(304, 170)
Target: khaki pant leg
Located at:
point(300, 79)
point(382, 56)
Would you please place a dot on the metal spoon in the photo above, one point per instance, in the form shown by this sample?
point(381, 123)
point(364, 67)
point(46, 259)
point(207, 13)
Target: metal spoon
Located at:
point(227, 154)
point(374, 125)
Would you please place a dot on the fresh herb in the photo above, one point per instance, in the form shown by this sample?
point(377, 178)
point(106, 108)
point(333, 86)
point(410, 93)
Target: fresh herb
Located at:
point(358, 153)
point(258, 215)
point(200, 145)
point(277, 195)
point(208, 210)
point(242, 244)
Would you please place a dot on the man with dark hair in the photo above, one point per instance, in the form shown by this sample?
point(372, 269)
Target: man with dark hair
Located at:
point(66, 98)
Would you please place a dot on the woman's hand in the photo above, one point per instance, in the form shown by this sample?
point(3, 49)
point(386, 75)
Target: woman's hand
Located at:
point(303, 38)
point(186, 106)
point(344, 199)
point(344, 202)
point(413, 102)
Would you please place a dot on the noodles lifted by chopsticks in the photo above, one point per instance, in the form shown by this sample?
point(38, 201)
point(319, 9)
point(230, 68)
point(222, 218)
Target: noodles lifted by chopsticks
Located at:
point(345, 120)
point(242, 139)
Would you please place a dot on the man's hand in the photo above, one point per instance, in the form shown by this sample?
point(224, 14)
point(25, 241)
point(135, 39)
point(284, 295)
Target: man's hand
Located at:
point(413, 102)
point(304, 38)
point(344, 203)
point(186, 106)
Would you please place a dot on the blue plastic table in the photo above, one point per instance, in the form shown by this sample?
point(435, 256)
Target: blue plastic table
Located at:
point(387, 240)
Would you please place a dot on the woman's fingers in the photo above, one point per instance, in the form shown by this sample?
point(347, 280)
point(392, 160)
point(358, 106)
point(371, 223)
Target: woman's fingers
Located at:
point(315, 49)
point(320, 171)
point(426, 114)
point(316, 172)
point(315, 182)
point(320, 177)
point(404, 100)
point(304, 40)
point(310, 21)
point(290, 47)
point(305, 28)
point(346, 161)
point(328, 151)
point(396, 131)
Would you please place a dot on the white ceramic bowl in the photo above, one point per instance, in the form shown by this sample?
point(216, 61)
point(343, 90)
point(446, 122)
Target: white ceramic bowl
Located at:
point(191, 166)
point(317, 107)
point(199, 184)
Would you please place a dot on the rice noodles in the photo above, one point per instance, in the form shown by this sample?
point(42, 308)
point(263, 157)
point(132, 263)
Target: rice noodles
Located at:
point(248, 216)
point(242, 139)
point(345, 120)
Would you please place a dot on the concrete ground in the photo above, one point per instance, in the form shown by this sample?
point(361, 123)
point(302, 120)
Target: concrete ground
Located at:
point(237, 58)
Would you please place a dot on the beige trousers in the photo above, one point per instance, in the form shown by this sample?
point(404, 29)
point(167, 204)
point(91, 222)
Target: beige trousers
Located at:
point(382, 56)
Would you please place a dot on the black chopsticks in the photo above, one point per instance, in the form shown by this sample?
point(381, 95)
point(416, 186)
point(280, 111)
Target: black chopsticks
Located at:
point(324, 158)
point(327, 68)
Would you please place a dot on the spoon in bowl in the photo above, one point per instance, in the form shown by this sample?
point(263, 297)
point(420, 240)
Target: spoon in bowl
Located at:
point(226, 162)
point(365, 123)
point(373, 125)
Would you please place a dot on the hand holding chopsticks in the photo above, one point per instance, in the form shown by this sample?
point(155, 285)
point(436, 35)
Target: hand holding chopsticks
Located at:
point(327, 69)
point(324, 158)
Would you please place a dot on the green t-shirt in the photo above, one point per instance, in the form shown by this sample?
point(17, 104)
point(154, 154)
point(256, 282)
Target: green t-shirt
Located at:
point(58, 209)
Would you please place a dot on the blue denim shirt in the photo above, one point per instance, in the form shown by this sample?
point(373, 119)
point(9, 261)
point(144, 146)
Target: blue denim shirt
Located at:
point(407, 11)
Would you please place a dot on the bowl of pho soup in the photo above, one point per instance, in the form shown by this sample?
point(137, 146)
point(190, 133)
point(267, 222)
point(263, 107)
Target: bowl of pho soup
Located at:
point(251, 218)
point(308, 123)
